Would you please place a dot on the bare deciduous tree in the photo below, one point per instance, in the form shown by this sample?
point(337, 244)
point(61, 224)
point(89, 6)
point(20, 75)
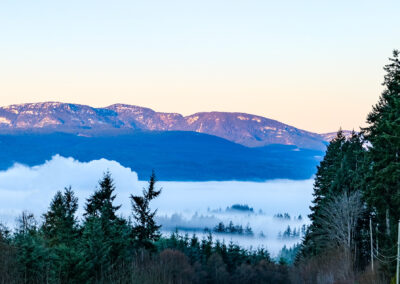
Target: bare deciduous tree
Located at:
point(338, 220)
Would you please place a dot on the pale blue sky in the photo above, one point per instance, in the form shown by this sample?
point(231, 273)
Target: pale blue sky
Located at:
point(316, 65)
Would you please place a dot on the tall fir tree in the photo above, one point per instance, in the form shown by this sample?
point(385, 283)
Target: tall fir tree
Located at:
point(383, 134)
point(341, 171)
point(60, 230)
point(60, 223)
point(145, 230)
point(100, 204)
point(105, 236)
point(327, 172)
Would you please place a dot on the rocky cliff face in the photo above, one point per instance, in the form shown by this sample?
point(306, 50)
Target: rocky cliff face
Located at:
point(246, 129)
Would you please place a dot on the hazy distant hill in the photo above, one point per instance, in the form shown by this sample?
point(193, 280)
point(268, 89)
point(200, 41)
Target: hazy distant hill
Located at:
point(245, 129)
point(175, 155)
point(202, 146)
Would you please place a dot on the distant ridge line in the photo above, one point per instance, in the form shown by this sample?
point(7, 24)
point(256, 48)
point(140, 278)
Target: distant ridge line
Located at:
point(242, 128)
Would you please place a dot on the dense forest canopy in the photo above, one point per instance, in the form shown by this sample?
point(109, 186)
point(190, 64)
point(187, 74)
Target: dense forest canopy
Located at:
point(356, 206)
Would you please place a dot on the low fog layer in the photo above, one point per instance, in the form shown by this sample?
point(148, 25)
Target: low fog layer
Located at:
point(190, 206)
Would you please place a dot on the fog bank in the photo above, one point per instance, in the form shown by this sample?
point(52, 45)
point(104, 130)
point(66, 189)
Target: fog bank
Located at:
point(188, 205)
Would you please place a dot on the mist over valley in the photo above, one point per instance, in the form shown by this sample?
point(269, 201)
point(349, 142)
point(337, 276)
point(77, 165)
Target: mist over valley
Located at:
point(190, 207)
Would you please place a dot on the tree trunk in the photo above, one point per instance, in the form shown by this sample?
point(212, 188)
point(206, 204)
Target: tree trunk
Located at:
point(387, 222)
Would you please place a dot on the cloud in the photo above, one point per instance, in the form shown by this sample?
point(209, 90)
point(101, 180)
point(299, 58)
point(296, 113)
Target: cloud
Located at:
point(32, 188)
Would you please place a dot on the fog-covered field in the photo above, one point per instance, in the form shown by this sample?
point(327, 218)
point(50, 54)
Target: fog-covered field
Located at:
point(190, 206)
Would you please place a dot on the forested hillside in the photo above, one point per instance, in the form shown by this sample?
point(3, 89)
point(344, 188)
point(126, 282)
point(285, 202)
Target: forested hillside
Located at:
point(356, 207)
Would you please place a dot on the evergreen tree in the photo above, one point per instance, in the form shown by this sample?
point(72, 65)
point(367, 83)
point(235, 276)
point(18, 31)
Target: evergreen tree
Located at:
point(100, 204)
point(341, 171)
point(60, 251)
point(326, 172)
point(324, 179)
point(145, 230)
point(383, 134)
point(105, 236)
point(34, 259)
point(60, 224)
point(220, 228)
point(60, 231)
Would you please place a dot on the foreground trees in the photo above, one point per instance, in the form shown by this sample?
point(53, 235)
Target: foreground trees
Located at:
point(60, 231)
point(383, 183)
point(104, 234)
point(106, 248)
point(357, 182)
point(339, 219)
point(145, 231)
point(337, 197)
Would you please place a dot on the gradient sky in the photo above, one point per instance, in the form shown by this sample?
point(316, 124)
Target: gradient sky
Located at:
point(316, 65)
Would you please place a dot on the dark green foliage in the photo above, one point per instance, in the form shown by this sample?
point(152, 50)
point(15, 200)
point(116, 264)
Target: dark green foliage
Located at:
point(341, 171)
point(232, 229)
point(60, 231)
point(339, 228)
point(383, 133)
point(220, 263)
point(102, 250)
point(100, 204)
point(60, 224)
point(105, 236)
point(374, 173)
point(288, 255)
point(145, 230)
point(34, 258)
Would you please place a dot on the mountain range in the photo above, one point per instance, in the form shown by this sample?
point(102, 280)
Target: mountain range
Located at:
point(201, 146)
point(241, 128)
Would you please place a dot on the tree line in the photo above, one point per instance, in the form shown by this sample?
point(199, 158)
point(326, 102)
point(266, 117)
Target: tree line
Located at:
point(104, 247)
point(357, 199)
point(233, 229)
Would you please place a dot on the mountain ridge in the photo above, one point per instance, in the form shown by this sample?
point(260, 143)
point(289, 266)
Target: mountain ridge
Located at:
point(241, 128)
